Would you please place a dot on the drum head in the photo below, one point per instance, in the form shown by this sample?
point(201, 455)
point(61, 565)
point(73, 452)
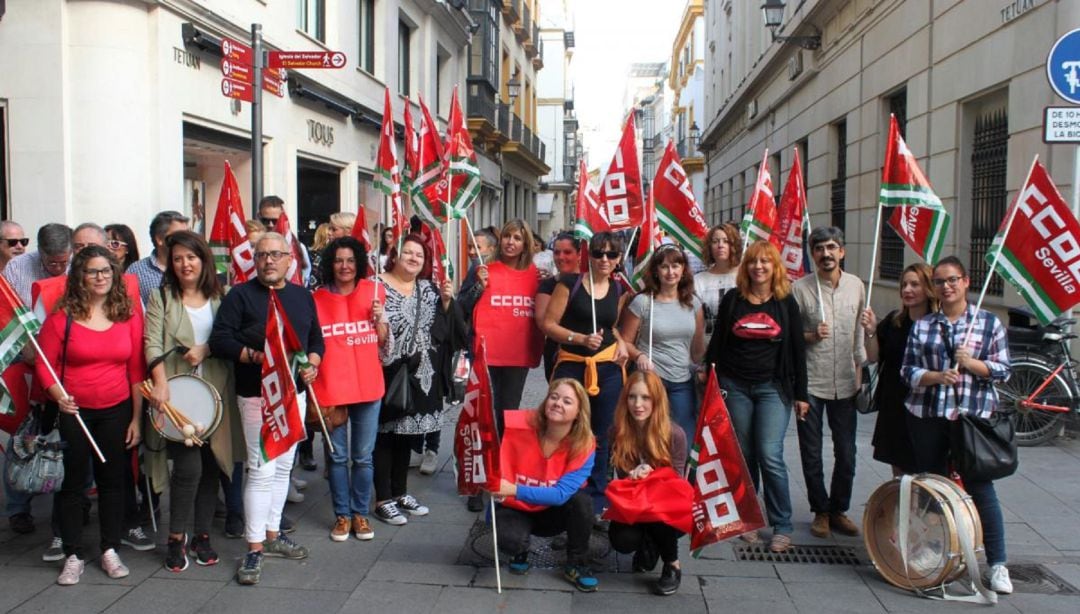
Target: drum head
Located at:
point(196, 399)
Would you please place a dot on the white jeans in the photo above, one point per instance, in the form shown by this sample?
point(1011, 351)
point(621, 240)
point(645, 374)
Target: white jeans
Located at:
point(267, 482)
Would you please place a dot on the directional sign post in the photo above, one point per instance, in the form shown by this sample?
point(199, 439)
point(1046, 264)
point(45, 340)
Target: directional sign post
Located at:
point(1063, 72)
point(306, 59)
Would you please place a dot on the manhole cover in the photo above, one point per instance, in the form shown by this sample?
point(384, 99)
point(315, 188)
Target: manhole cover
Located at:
point(544, 552)
point(1034, 578)
point(815, 555)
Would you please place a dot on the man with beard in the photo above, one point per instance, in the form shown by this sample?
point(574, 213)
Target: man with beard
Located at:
point(834, 352)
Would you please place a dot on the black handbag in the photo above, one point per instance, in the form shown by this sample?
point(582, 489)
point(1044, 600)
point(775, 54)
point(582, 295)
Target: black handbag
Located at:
point(401, 387)
point(984, 449)
point(865, 398)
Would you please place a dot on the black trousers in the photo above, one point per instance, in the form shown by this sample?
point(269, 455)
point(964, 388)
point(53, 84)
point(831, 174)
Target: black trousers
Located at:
point(842, 422)
point(391, 460)
point(507, 384)
point(574, 517)
point(194, 486)
point(627, 538)
point(109, 428)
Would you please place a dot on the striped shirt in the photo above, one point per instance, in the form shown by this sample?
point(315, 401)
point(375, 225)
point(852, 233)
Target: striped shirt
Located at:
point(22, 271)
point(930, 347)
point(149, 273)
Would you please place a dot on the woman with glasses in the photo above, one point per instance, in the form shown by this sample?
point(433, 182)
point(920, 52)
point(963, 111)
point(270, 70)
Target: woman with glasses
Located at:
point(952, 359)
point(759, 354)
point(181, 315)
point(581, 316)
point(567, 259)
point(122, 244)
point(722, 253)
point(94, 343)
point(667, 327)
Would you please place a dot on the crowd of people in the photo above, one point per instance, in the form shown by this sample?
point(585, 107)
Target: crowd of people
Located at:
point(626, 372)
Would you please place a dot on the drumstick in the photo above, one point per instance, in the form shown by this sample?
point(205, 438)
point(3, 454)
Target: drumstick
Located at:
point(174, 415)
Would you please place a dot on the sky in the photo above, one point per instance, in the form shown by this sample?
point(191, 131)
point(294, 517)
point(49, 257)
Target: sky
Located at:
point(609, 36)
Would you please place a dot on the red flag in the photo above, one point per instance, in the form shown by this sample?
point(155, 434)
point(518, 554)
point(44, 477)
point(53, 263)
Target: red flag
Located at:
point(589, 213)
point(621, 190)
point(233, 254)
point(412, 151)
point(429, 193)
point(476, 441)
point(283, 425)
point(919, 218)
point(441, 267)
point(388, 174)
point(789, 231)
point(725, 504)
point(676, 210)
point(651, 237)
point(760, 218)
point(293, 245)
point(462, 168)
point(663, 496)
point(360, 229)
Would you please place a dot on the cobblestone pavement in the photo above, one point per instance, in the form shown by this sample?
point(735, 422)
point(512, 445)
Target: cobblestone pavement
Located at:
point(436, 563)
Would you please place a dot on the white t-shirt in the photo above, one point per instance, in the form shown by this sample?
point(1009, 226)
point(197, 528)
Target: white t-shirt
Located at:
point(708, 287)
point(202, 321)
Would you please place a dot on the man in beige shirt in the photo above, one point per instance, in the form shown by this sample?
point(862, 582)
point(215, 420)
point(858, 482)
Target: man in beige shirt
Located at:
point(834, 351)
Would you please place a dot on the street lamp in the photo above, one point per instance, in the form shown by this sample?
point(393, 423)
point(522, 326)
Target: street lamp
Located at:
point(773, 11)
point(513, 87)
point(695, 136)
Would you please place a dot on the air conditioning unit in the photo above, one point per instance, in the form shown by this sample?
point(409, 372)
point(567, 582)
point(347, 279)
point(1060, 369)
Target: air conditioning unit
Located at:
point(794, 66)
point(751, 109)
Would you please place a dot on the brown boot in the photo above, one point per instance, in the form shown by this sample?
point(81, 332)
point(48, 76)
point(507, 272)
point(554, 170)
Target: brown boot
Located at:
point(820, 526)
point(842, 524)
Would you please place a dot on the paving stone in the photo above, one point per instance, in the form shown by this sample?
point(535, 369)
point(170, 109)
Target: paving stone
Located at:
point(847, 574)
point(1043, 604)
point(827, 596)
point(82, 597)
point(331, 566)
point(18, 584)
point(454, 599)
point(379, 596)
point(162, 596)
point(734, 569)
point(264, 599)
point(746, 595)
point(422, 573)
point(688, 600)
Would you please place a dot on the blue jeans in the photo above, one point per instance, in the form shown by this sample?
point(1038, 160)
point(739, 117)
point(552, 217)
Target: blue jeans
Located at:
point(760, 418)
point(351, 493)
point(682, 398)
point(602, 406)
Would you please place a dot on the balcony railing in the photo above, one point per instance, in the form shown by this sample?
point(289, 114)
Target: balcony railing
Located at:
point(527, 138)
point(526, 22)
point(480, 105)
point(686, 148)
point(512, 8)
point(515, 127)
point(502, 122)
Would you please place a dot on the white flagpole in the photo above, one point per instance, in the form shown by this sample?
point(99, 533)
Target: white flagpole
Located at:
point(997, 254)
point(592, 295)
point(78, 418)
point(873, 254)
point(495, 547)
point(817, 278)
point(476, 246)
point(322, 421)
point(630, 244)
point(150, 495)
point(652, 301)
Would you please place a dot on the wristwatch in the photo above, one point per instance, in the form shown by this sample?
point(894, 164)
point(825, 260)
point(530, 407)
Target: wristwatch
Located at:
point(570, 339)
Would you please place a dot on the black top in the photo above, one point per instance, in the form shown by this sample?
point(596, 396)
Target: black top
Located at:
point(241, 322)
point(789, 370)
point(892, 340)
point(754, 343)
point(577, 316)
point(547, 285)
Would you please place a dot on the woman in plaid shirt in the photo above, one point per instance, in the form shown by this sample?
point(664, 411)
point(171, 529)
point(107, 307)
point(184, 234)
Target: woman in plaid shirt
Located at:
point(947, 378)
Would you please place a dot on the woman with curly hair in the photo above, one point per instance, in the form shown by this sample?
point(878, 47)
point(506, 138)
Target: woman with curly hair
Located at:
point(644, 439)
point(668, 327)
point(94, 344)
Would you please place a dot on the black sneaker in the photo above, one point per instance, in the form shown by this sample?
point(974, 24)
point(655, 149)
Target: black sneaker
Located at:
point(234, 526)
point(519, 564)
point(205, 555)
point(409, 504)
point(287, 525)
point(581, 577)
point(645, 556)
point(22, 522)
point(137, 539)
point(251, 569)
point(475, 503)
point(176, 554)
point(390, 514)
point(307, 461)
point(670, 578)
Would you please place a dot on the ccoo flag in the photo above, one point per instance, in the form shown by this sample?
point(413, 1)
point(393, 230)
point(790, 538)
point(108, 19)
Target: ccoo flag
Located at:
point(233, 254)
point(282, 423)
point(462, 169)
point(919, 218)
point(388, 175)
point(620, 192)
point(429, 189)
point(17, 326)
point(476, 440)
point(1040, 253)
point(677, 210)
point(791, 226)
point(760, 218)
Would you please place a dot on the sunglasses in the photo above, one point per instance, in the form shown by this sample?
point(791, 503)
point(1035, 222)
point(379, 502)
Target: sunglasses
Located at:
point(13, 242)
point(269, 222)
point(599, 254)
point(115, 244)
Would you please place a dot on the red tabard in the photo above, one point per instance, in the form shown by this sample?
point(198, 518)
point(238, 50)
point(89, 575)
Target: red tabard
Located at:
point(505, 317)
point(522, 461)
point(350, 371)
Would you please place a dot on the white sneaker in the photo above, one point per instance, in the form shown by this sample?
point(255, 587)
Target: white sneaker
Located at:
point(415, 458)
point(110, 562)
point(294, 496)
point(429, 463)
point(71, 572)
point(999, 580)
point(298, 483)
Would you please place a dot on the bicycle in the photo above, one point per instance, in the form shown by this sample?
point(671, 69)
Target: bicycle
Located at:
point(1044, 386)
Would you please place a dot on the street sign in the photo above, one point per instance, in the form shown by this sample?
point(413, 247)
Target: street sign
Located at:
point(1061, 125)
point(272, 85)
point(278, 73)
point(307, 59)
point(1063, 66)
point(236, 70)
point(231, 88)
point(236, 51)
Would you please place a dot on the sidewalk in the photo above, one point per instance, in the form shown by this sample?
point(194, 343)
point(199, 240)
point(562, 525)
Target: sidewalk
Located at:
point(424, 566)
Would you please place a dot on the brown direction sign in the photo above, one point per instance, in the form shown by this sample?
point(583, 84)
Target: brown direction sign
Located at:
point(236, 51)
point(241, 90)
point(236, 70)
point(307, 59)
point(273, 85)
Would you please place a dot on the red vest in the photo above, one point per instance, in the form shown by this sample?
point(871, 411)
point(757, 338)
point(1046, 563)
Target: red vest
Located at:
point(522, 461)
point(505, 317)
point(350, 371)
point(47, 292)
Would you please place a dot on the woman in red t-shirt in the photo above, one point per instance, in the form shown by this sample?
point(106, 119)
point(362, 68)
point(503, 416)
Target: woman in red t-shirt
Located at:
point(94, 343)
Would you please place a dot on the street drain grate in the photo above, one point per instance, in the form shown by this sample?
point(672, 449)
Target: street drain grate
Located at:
point(544, 552)
point(1038, 579)
point(813, 555)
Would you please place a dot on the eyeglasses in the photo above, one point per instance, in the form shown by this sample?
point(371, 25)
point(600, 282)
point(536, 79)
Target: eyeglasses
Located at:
point(115, 244)
point(13, 242)
point(599, 254)
point(57, 265)
point(269, 222)
point(952, 281)
point(827, 247)
point(104, 273)
point(273, 255)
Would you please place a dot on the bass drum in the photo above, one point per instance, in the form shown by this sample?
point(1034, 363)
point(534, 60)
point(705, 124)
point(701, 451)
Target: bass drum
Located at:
point(938, 509)
point(196, 399)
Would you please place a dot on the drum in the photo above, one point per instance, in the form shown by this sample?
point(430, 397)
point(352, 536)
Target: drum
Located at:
point(194, 397)
point(939, 509)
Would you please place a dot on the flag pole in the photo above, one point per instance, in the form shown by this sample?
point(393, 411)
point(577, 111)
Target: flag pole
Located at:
point(817, 278)
point(754, 203)
point(652, 301)
point(1001, 246)
point(873, 254)
point(78, 417)
point(472, 235)
point(322, 421)
point(495, 546)
point(592, 295)
point(630, 244)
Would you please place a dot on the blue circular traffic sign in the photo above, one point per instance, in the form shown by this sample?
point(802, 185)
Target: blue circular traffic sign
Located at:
point(1063, 66)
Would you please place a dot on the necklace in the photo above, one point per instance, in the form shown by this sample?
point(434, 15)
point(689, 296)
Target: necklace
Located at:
point(761, 299)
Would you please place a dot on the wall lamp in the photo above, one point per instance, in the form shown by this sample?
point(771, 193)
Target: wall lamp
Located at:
point(774, 16)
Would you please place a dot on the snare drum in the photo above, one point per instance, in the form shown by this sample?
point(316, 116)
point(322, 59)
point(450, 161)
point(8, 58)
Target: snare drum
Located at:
point(938, 510)
point(194, 397)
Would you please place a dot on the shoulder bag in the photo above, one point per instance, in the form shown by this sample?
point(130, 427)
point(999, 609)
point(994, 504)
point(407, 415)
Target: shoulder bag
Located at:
point(400, 384)
point(984, 449)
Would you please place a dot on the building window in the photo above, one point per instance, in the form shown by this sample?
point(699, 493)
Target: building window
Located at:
point(838, 198)
point(367, 36)
point(989, 165)
point(312, 18)
point(484, 49)
point(442, 78)
point(892, 246)
point(404, 58)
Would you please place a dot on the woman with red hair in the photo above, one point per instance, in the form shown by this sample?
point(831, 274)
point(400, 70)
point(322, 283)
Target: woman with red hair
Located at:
point(759, 354)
